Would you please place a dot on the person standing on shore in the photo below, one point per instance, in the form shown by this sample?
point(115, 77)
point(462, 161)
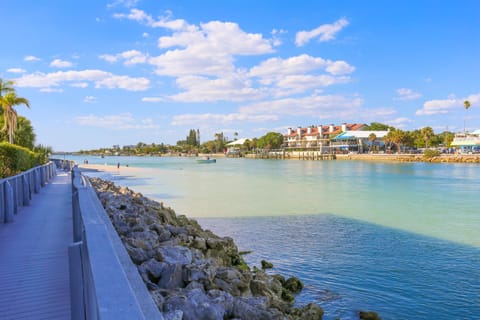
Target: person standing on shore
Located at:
point(118, 165)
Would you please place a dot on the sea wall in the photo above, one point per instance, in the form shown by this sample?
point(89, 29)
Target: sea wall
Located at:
point(443, 158)
point(192, 273)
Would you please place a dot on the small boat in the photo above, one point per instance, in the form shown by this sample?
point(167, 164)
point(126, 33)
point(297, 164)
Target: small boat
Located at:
point(207, 160)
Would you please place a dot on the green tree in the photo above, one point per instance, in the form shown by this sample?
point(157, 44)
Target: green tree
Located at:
point(24, 136)
point(192, 139)
point(8, 102)
point(219, 142)
point(376, 126)
point(427, 134)
point(372, 137)
point(466, 104)
point(6, 86)
point(272, 140)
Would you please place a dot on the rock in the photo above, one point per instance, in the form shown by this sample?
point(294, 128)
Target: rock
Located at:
point(171, 277)
point(154, 269)
point(308, 312)
point(293, 285)
point(368, 315)
point(175, 255)
point(266, 264)
point(196, 305)
point(137, 255)
point(251, 309)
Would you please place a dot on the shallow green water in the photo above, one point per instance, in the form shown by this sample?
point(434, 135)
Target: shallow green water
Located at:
point(438, 200)
point(400, 239)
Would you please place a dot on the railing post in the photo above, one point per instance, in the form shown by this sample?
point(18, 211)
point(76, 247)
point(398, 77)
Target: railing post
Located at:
point(26, 190)
point(76, 217)
point(9, 202)
point(77, 299)
point(37, 180)
point(2, 202)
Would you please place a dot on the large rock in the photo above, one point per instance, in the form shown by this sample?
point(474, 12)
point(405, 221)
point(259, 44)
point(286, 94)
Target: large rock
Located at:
point(196, 305)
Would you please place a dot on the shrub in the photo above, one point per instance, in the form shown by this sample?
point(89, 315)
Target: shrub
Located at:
point(431, 153)
point(15, 159)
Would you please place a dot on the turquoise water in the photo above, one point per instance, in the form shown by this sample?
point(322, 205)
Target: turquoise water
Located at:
point(402, 239)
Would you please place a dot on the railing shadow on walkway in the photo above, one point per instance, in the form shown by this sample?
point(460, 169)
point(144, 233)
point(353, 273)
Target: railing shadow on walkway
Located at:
point(105, 284)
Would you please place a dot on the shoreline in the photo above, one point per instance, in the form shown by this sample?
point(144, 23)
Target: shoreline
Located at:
point(443, 158)
point(381, 157)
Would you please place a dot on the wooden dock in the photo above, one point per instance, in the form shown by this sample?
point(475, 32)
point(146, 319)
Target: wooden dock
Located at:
point(282, 154)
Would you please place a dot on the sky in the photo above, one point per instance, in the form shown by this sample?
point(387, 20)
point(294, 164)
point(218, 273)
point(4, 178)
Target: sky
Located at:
point(118, 72)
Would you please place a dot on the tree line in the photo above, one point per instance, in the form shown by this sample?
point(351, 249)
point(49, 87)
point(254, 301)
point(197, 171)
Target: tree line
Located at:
point(17, 137)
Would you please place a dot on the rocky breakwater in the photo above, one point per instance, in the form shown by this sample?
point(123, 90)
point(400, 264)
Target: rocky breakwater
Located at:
point(192, 273)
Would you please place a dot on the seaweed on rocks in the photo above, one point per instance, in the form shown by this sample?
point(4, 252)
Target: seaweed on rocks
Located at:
point(192, 273)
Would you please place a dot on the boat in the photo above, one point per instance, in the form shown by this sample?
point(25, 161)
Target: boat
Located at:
point(207, 160)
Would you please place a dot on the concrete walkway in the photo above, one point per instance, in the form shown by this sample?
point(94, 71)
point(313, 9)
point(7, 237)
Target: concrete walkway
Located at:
point(34, 274)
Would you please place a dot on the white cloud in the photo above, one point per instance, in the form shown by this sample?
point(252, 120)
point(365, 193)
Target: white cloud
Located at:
point(123, 121)
point(31, 58)
point(209, 118)
point(101, 79)
point(79, 85)
point(48, 90)
point(90, 99)
point(58, 63)
point(162, 22)
point(451, 104)
point(325, 32)
point(299, 74)
point(401, 122)
point(437, 107)
point(234, 88)
point(319, 106)
point(207, 50)
point(277, 67)
point(16, 70)
point(130, 57)
point(407, 94)
point(153, 99)
point(124, 3)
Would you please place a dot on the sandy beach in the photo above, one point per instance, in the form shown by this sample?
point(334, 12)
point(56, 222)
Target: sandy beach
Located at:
point(108, 168)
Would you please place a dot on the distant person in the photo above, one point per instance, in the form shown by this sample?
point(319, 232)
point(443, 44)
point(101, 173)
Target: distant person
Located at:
point(118, 165)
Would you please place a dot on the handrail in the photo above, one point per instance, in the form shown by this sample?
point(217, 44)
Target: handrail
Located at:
point(105, 284)
point(17, 191)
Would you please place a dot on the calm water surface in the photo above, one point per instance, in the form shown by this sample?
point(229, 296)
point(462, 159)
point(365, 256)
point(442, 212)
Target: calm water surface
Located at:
point(401, 239)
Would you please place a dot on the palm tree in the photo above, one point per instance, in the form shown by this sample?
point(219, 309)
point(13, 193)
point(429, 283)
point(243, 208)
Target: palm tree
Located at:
point(466, 104)
point(427, 134)
point(6, 87)
point(10, 115)
point(372, 137)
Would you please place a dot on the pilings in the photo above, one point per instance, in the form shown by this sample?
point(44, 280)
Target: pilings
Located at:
point(283, 154)
point(17, 191)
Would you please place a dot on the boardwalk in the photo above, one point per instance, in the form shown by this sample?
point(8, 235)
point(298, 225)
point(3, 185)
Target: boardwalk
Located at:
point(34, 277)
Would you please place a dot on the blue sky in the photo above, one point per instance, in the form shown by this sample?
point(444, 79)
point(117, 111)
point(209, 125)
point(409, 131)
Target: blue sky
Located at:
point(99, 73)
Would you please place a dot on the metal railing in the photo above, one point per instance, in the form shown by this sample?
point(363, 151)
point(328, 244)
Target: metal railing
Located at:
point(104, 282)
point(17, 191)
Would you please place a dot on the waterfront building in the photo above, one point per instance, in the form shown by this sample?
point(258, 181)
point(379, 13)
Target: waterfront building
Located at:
point(467, 142)
point(358, 141)
point(317, 136)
